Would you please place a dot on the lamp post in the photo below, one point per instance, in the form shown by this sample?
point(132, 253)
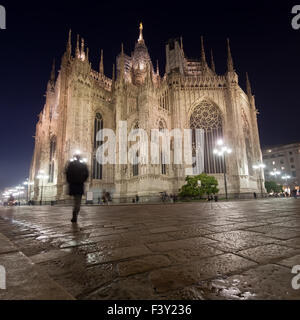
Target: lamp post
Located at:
point(19, 192)
point(199, 185)
point(221, 151)
point(260, 167)
point(42, 176)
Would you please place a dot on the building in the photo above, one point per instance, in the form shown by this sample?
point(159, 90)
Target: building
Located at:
point(190, 94)
point(286, 160)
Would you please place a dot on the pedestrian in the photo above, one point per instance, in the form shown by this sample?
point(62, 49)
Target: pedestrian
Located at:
point(76, 173)
point(255, 195)
point(137, 199)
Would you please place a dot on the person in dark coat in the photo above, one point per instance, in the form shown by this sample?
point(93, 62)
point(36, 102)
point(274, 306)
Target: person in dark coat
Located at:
point(77, 173)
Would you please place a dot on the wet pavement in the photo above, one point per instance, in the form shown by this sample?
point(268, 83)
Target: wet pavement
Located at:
point(226, 250)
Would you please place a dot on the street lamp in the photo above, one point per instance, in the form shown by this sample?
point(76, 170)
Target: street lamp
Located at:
point(260, 167)
point(42, 176)
point(275, 173)
point(221, 151)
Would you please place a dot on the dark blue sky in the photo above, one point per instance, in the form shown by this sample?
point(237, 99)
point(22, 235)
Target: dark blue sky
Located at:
point(262, 40)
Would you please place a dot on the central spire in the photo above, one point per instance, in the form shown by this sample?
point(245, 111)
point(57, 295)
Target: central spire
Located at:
point(141, 33)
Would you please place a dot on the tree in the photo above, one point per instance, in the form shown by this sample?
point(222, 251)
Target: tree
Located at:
point(272, 186)
point(191, 188)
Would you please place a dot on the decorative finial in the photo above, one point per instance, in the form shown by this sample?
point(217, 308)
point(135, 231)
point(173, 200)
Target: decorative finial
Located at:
point(141, 32)
point(230, 67)
point(203, 57)
point(213, 67)
point(157, 68)
point(87, 54)
point(101, 68)
point(181, 43)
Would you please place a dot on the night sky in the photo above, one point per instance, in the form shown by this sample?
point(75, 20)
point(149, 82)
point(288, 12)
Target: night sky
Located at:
point(262, 42)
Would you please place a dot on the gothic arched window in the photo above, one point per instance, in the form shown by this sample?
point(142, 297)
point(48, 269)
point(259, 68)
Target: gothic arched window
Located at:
point(206, 116)
point(51, 160)
point(97, 167)
point(161, 127)
point(135, 166)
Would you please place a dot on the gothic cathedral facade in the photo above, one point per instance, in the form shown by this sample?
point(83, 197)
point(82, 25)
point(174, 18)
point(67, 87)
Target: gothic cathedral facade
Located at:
point(80, 101)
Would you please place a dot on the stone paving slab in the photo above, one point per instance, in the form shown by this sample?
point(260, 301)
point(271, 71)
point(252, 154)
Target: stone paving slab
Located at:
point(24, 281)
point(5, 245)
point(225, 250)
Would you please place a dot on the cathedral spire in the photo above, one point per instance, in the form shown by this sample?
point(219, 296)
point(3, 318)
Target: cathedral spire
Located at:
point(213, 67)
point(69, 44)
point(77, 47)
point(52, 78)
point(248, 86)
point(141, 39)
point(122, 63)
point(82, 45)
point(113, 74)
point(101, 67)
point(230, 67)
point(87, 54)
point(203, 57)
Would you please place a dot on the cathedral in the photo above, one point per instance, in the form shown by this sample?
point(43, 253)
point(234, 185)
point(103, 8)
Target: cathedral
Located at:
point(190, 94)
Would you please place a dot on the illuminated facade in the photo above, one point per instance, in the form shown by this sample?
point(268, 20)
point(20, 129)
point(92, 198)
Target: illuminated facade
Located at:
point(286, 160)
point(190, 94)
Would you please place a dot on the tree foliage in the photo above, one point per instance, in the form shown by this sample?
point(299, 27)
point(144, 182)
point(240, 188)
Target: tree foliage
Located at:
point(272, 186)
point(191, 188)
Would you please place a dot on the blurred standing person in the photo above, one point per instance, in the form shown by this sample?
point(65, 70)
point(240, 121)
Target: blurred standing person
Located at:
point(77, 173)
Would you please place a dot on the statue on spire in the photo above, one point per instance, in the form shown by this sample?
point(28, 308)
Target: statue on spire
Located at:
point(141, 33)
